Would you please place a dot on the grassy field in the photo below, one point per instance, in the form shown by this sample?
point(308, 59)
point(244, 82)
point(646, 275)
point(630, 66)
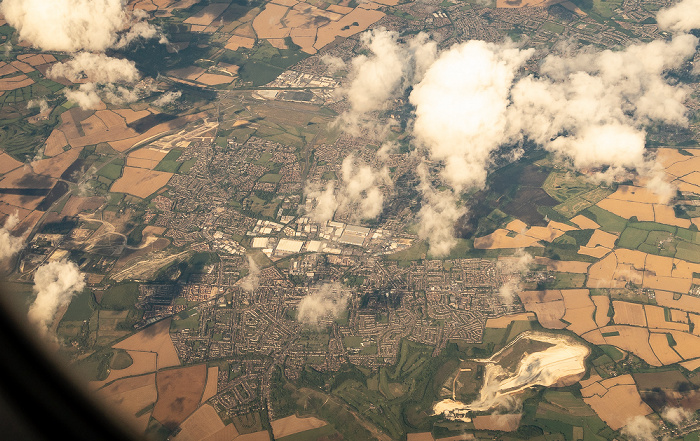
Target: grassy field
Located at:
point(661, 239)
point(397, 399)
point(553, 27)
point(169, 162)
point(271, 177)
point(564, 412)
point(352, 341)
point(21, 139)
point(566, 280)
point(96, 366)
point(113, 170)
point(632, 238)
point(121, 360)
point(612, 352)
point(187, 319)
point(263, 63)
point(609, 222)
point(314, 341)
point(606, 7)
point(418, 250)
point(575, 192)
point(81, 307)
point(120, 297)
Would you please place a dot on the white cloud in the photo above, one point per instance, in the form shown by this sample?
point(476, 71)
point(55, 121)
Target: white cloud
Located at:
point(119, 94)
point(438, 215)
point(589, 109)
point(85, 96)
point(97, 67)
point(102, 72)
point(75, 25)
point(360, 192)
point(461, 106)
point(55, 284)
point(251, 282)
point(140, 30)
point(387, 149)
point(675, 415)
point(681, 17)
point(383, 74)
point(333, 64)
point(85, 28)
point(640, 428)
point(477, 99)
point(324, 202)
point(167, 98)
point(92, 95)
point(9, 244)
point(512, 269)
point(40, 103)
point(376, 77)
point(323, 303)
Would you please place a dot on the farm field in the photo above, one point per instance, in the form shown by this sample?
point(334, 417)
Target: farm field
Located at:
point(629, 313)
point(203, 423)
point(504, 321)
point(140, 182)
point(502, 422)
point(154, 338)
point(143, 363)
point(129, 396)
point(211, 387)
point(179, 393)
point(513, 236)
point(548, 306)
point(615, 400)
point(293, 424)
point(147, 158)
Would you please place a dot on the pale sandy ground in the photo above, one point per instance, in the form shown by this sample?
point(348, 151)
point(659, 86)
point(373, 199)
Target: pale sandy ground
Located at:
point(562, 361)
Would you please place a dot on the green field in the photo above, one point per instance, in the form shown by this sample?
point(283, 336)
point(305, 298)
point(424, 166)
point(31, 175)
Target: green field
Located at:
point(273, 178)
point(566, 280)
point(606, 7)
point(609, 222)
point(120, 297)
point(396, 400)
point(169, 162)
point(121, 359)
point(96, 366)
point(187, 319)
point(661, 239)
point(632, 238)
point(553, 27)
point(21, 139)
point(81, 307)
point(113, 170)
point(562, 413)
point(313, 341)
point(352, 341)
point(264, 158)
point(574, 192)
point(612, 352)
point(263, 63)
point(415, 252)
